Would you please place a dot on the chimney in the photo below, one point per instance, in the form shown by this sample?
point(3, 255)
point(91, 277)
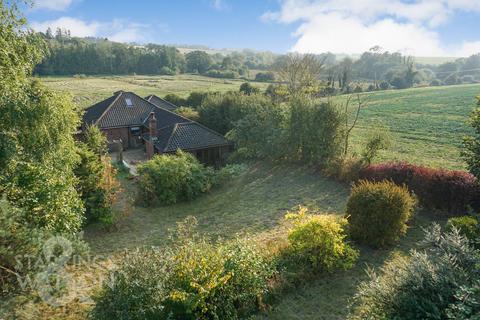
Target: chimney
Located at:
point(152, 131)
point(152, 124)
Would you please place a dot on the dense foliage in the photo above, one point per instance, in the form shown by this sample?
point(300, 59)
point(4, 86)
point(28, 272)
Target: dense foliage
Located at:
point(447, 190)
point(22, 249)
point(191, 279)
point(316, 244)
point(375, 69)
point(467, 226)
point(19, 241)
point(220, 111)
point(248, 89)
point(440, 281)
point(167, 179)
point(97, 184)
point(378, 212)
point(315, 131)
point(261, 132)
point(70, 56)
point(194, 99)
point(471, 152)
point(188, 113)
point(36, 127)
point(265, 76)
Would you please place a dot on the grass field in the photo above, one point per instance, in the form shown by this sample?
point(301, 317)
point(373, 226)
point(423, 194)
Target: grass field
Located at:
point(427, 124)
point(86, 91)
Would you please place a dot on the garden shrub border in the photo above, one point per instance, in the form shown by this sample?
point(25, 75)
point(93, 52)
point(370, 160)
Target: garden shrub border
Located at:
point(451, 191)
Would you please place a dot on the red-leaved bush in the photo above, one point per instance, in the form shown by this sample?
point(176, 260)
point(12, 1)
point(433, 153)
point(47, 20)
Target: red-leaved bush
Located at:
point(446, 190)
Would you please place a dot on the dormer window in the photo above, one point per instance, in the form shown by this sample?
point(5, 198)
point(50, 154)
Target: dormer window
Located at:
point(129, 102)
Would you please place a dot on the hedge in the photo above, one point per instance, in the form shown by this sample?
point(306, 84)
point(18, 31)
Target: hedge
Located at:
point(452, 191)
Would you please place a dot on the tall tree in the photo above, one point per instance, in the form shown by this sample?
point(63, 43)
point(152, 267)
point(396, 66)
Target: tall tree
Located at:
point(300, 72)
point(410, 72)
point(198, 61)
point(36, 126)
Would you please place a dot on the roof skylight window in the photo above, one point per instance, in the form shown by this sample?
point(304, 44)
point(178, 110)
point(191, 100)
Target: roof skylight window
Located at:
point(129, 102)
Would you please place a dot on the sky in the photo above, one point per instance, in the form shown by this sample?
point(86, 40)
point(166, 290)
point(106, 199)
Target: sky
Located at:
point(416, 27)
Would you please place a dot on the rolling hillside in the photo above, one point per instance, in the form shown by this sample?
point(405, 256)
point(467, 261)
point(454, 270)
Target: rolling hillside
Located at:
point(427, 124)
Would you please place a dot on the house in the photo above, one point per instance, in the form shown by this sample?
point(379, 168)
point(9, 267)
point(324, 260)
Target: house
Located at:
point(140, 123)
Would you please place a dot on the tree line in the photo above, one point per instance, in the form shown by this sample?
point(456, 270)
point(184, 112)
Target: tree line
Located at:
point(375, 69)
point(67, 55)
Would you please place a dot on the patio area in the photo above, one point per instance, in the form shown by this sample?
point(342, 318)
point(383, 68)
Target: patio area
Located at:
point(131, 158)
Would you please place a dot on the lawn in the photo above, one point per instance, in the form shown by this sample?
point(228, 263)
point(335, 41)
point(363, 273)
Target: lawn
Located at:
point(256, 203)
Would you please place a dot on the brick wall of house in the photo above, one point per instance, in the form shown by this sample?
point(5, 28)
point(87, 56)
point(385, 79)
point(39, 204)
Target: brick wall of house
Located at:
point(118, 133)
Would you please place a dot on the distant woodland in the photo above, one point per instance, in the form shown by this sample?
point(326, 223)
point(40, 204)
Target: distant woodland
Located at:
point(373, 70)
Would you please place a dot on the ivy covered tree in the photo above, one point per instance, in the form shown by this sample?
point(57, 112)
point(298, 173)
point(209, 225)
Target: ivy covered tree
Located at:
point(471, 151)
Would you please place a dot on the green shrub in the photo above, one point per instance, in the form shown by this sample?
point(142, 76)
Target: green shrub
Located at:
point(317, 243)
point(167, 179)
point(228, 172)
point(220, 111)
point(226, 74)
point(96, 178)
point(195, 99)
point(471, 143)
point(261, 132)
point(467, 303)
point(378, 212)
point(377, 139)
point(429, 284)
point(466, 225)
point(97, 186)
point(191, 279)
point(167, 71)
point(265, 76)
point(315, 131)
point(344, 169)
point(248, 89)
point(21, 248)
point(188, 113)
point(16, 239)
point(176, 100)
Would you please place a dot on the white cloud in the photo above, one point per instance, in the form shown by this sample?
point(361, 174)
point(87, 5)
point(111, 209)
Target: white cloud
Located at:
point(77, 27)
point(219, 5)
point(116, 30)
point(468, 49)
point(57, 5)
point(131, 32)
point(345, 26)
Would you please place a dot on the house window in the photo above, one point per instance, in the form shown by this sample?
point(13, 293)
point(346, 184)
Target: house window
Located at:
point(135, 130)
point(129, 102)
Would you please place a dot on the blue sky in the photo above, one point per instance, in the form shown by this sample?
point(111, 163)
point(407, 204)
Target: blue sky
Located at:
point(418, 27)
